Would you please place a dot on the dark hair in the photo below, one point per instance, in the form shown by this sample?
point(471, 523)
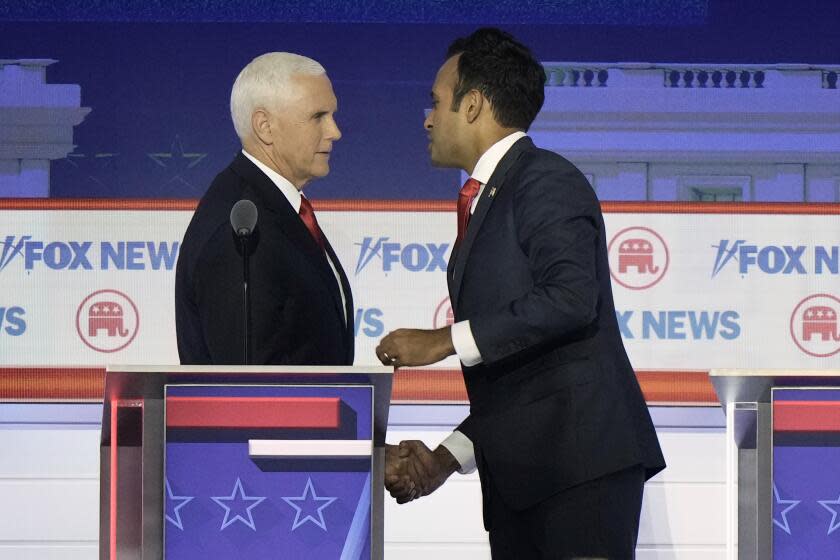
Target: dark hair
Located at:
point(504, 71)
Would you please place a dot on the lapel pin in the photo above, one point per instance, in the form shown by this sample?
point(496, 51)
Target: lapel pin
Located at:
point(492, 192)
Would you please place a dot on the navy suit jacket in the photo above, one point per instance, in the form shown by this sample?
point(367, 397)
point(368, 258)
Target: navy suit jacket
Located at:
point(296, 311)
point(555, 401)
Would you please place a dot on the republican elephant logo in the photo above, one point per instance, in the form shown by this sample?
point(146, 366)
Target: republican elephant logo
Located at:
point(820, 320)
point(639, 258)
point(107, 321)
point(637, 253)
point(106, 315)
point(814, 325)
point(444, 315)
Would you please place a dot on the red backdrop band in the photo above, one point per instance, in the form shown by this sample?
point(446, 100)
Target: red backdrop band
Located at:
point(610, 207)
point(684, 388)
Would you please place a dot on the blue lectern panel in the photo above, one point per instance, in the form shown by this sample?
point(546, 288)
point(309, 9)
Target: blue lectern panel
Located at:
point(221, 503)
point(806, 474)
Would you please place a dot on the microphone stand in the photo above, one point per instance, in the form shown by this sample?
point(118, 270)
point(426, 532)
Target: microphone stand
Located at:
point(246, 298)
point(243, 219)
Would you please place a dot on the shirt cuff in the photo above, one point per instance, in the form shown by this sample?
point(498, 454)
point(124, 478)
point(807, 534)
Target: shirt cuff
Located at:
point(462, 449)
point(464, 343)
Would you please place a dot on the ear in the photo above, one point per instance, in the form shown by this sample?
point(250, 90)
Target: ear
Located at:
point(474, 104)
point(261, 125)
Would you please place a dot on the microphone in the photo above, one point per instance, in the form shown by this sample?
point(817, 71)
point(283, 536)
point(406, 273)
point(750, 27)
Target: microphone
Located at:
point(243, 220)
point(243, 217)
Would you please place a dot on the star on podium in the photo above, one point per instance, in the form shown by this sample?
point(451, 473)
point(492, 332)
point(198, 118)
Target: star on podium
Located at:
point(835, 513)
point(173, 514)
point(784, 525)
point(238, 501)
point(310, 504)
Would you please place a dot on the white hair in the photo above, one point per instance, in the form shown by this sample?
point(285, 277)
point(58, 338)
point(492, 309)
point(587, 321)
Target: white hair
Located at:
point(265, 82)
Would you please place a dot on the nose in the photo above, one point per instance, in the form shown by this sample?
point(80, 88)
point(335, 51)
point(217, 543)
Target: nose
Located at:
point(427, 122)
point(335, 133)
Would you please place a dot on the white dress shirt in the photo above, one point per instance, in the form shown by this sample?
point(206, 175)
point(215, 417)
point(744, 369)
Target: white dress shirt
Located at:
point(462, 338)
point(293, 195)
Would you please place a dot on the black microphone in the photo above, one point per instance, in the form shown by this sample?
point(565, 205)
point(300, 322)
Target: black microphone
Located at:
point(243, 217)
point(243, 220)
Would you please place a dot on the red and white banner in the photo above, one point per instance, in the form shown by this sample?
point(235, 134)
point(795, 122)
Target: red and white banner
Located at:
point(696, 287)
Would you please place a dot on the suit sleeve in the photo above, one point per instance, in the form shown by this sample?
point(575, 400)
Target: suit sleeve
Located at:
point(556, 218)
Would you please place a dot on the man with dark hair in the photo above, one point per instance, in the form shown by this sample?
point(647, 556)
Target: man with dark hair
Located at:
point(558, 427)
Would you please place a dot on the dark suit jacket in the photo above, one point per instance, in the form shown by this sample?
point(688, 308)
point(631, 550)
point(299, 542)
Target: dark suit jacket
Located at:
point(555, 401)
point(296, 311)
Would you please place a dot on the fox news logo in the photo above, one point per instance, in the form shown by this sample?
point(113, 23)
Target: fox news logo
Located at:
point(679, 324)
point(369, 322)
point(12, 322)
point(414, 257)
point(87, 255)
point(776, 259)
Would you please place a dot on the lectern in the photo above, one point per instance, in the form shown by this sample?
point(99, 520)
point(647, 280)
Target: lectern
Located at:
point(783, 462)
point(243, 462)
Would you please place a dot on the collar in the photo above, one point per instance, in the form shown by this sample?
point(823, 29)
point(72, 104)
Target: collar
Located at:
point(289, 191)
point(488, 161)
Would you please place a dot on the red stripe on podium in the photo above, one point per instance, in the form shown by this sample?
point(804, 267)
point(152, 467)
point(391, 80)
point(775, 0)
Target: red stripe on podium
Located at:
point(252, 412)
point(806, 416)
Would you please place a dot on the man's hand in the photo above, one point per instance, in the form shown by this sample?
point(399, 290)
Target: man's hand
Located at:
point(415, 347)
point(397, 481)
point(425, 471)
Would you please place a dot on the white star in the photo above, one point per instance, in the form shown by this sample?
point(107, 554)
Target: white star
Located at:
point(309, 491)
point(793, 504)
point(835, 524)
point(170, 497)
point(240, 498)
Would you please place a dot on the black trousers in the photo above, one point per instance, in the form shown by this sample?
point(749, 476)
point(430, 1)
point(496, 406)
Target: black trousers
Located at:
point(596, 519)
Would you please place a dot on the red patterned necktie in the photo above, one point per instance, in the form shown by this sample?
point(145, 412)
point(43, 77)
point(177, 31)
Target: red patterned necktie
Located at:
point(308, 217)
point(465, 198)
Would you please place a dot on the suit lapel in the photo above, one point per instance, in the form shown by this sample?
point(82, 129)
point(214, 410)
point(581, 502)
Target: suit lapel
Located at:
point(348, 296)
point(458, 261)
point(284, 217)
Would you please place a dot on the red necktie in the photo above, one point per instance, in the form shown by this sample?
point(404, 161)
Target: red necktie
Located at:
point(308, 217)
point(465, 198)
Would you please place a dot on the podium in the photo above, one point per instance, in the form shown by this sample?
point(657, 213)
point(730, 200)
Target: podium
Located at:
point(231, 462)
point(783, 462)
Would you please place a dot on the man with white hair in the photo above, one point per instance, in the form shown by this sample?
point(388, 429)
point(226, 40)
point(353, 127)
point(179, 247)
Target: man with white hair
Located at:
point(283, 109)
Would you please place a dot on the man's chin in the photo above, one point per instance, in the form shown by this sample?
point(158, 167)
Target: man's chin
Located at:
point(437, 161)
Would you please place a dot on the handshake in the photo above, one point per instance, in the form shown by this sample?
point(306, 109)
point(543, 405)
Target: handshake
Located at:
point(412, 470)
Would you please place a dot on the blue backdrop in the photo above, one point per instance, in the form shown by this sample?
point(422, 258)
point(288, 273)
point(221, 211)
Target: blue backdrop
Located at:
point(158, 75)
